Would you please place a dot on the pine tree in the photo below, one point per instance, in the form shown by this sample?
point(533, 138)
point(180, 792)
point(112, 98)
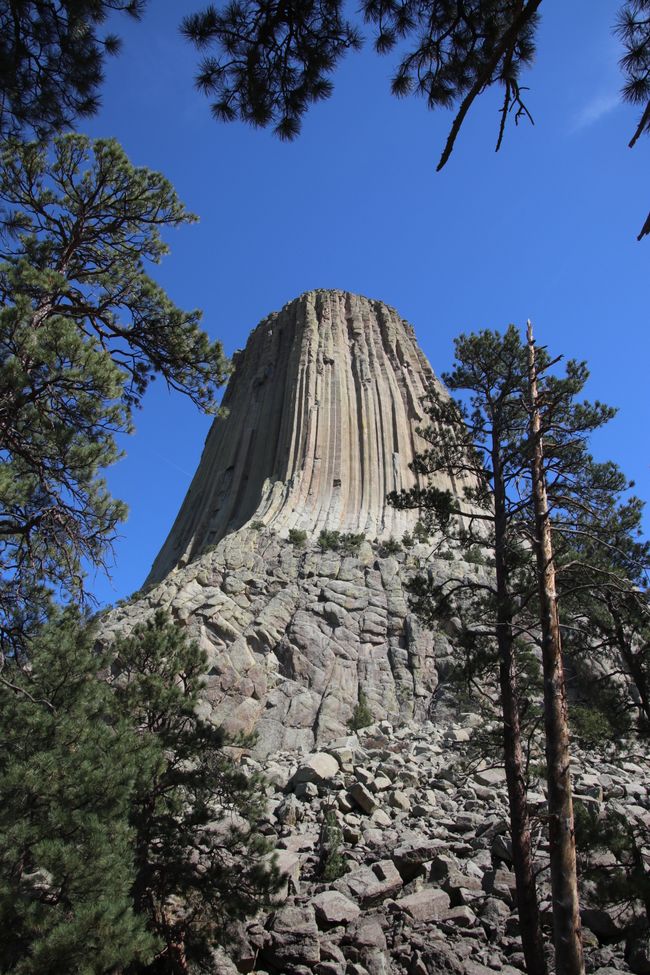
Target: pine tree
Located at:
point(127, 832)
point(624, 879)
point(52, 60)
point(633, 28)
point(198, 861)
point(83, 331)
point(572, 497)
point(491, 451)
point(67, 771)
point(569, 956)
point(273, 60)
point(604, 592)
point(478, 446)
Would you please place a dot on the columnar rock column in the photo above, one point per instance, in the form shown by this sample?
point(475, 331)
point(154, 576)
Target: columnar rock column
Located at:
point(323, 411)
point(321, 421)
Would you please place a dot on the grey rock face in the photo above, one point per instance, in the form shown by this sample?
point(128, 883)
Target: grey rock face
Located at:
point(322, 412)
point(285, 632)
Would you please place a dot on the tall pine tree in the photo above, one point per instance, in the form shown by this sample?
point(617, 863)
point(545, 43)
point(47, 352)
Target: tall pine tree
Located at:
point(491, 450)
point(198, 861)
point(83, 331)
point(68, 768)
point(127, 832)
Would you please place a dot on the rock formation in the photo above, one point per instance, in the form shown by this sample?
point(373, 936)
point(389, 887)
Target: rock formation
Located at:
point(323, 410)
point(322, 415)
point(321, 421)
point(295, 636)
point(426, 884)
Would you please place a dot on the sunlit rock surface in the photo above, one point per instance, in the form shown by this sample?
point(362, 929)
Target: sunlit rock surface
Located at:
point(322, 409)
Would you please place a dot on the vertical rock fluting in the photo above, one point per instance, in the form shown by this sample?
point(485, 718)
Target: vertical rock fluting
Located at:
point(321, 421)
point(323, 411)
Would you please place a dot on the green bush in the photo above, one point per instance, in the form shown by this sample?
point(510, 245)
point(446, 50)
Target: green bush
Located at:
point(601, 713)
point(391, 546)
point(297, 537)
point(362, 715)
point(627, 881)
point(474, 555)
point(351, 543)
point(332, 863)
point(407, 540)
point(420, 533)
point(590, 725)
point(329, 540)
point(257, 526)
point(335, 541)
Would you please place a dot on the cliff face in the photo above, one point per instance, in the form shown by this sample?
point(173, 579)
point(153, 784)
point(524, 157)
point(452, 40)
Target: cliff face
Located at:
point(322, 415)
point(323, 409)
point(322, 412)
point(295, 636)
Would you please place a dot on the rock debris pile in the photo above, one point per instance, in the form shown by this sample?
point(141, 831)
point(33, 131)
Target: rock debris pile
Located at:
point(419, 836)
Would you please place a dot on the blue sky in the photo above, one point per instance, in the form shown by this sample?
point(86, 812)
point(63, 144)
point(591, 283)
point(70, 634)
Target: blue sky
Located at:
point(545, 229)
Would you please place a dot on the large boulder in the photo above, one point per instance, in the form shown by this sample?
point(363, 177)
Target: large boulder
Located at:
point(317, 768)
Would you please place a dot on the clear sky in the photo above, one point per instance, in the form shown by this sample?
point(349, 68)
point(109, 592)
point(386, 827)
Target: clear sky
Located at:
point(545, 229)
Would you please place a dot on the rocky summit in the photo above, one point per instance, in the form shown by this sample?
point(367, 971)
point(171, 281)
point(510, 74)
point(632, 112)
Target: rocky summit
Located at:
point(393, 842)
point(320, 423)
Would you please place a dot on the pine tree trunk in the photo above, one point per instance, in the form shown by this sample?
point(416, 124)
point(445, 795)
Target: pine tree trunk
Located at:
point(569, 958)
point(529, 921)
point(633, 661)
point(640, 679)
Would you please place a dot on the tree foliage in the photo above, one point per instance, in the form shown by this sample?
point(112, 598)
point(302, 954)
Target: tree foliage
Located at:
point(274, 59)
point(488, 446)
point(198, 861)
point(51, 61)
point(83, 330)
point(477, 446)
point(621, 877)
point(605, 595)
point(346, 542)
point(633, 28)
point(127, 832)
point(68, 768)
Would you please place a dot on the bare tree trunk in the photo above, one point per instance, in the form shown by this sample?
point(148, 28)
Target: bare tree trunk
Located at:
point(633, 661)
point(532, 941)
point(639, 677)
point(569, 958)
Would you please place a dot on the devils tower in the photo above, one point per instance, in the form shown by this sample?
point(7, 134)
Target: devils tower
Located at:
point(391, 833)
point(320, 423)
